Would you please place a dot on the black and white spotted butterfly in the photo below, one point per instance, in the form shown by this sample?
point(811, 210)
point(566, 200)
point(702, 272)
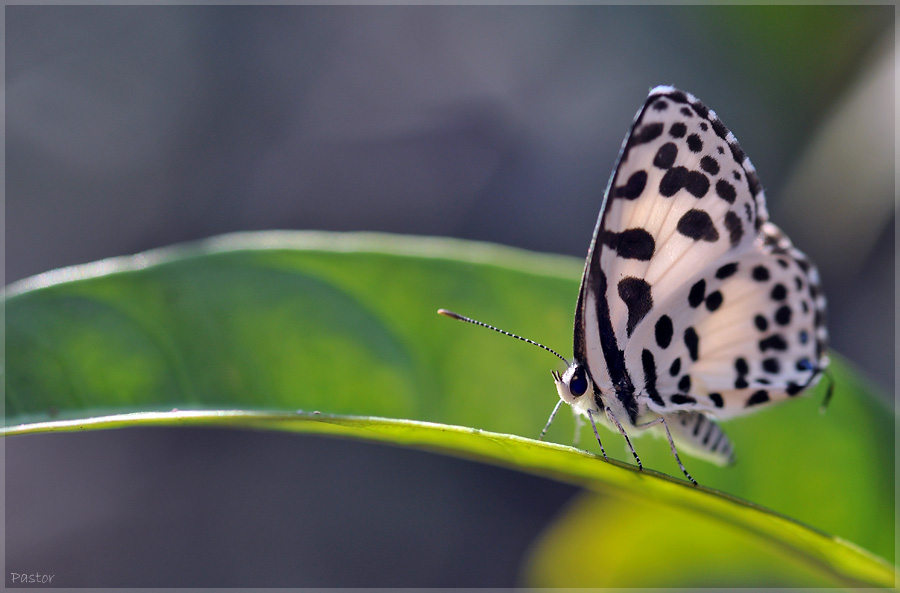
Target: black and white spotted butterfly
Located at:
point(692, 304)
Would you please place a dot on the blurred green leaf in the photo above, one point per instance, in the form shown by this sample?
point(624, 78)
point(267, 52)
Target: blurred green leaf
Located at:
point(346, 325)
point(639, 541)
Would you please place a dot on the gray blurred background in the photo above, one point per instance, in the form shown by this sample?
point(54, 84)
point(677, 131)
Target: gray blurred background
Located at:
point(129, 128)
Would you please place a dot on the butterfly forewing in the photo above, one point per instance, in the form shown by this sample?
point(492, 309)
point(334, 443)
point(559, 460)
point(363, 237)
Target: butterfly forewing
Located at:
point(673, 281)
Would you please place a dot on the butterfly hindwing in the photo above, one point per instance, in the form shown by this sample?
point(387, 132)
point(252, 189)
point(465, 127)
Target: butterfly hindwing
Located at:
point(739, 336)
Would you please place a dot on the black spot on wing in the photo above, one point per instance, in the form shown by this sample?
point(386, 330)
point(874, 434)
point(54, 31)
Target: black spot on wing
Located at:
point(631, 243)
point(649, 365)
point(678, 130)
point(726, 191)
point(697, 184)
point(679, 97)
point(675, 369)
point(758, 397)
point(692, 341)
point(783, 315)
point(741, 368)
point(760, 273)
point(710, 165)
point(678, 178)
point(697, 293)
point(735, 227)
point(680, 398)
point(773, 342)
point(716, 399)
point(697, 225)
point(633, 188)
point(726, 271)
point(646, 133)
point(665, 156)
point(695, 144)
point(635, 293)
point(664, 331)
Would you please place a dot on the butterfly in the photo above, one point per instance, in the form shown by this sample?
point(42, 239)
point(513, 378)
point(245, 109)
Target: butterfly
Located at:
point(693, 306)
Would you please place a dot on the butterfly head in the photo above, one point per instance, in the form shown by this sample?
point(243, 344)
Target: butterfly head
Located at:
point(573, 384)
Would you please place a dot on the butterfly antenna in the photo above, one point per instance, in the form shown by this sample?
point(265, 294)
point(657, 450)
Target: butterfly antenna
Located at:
point(453, 315)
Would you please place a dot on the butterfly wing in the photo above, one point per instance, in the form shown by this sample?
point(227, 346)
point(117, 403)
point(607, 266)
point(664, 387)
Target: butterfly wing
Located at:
point(740, 335)
point(669, 304)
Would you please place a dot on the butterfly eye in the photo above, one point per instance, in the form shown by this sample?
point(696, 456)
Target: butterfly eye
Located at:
point(578, 383)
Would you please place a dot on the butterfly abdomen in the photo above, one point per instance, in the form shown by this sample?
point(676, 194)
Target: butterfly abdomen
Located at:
point(698, 434)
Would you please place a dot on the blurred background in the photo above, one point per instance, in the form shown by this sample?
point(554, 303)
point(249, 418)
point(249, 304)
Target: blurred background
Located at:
point(129, 128)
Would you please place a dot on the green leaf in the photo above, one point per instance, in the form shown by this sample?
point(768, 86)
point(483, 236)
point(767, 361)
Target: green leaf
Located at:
point(640, 541)
point(253, 328)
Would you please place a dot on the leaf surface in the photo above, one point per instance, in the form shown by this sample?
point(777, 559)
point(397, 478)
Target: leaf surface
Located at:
point(245, 330)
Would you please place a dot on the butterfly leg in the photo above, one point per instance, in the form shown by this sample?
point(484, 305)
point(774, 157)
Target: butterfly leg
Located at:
point(550, 420)
point(671, 445)
point(579, 422)
point(828, 393)
point(615, 420)
point(597, 434)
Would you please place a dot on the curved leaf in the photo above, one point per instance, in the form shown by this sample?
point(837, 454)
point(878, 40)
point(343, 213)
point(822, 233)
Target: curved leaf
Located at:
point(346, 325)
point(783, 552)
